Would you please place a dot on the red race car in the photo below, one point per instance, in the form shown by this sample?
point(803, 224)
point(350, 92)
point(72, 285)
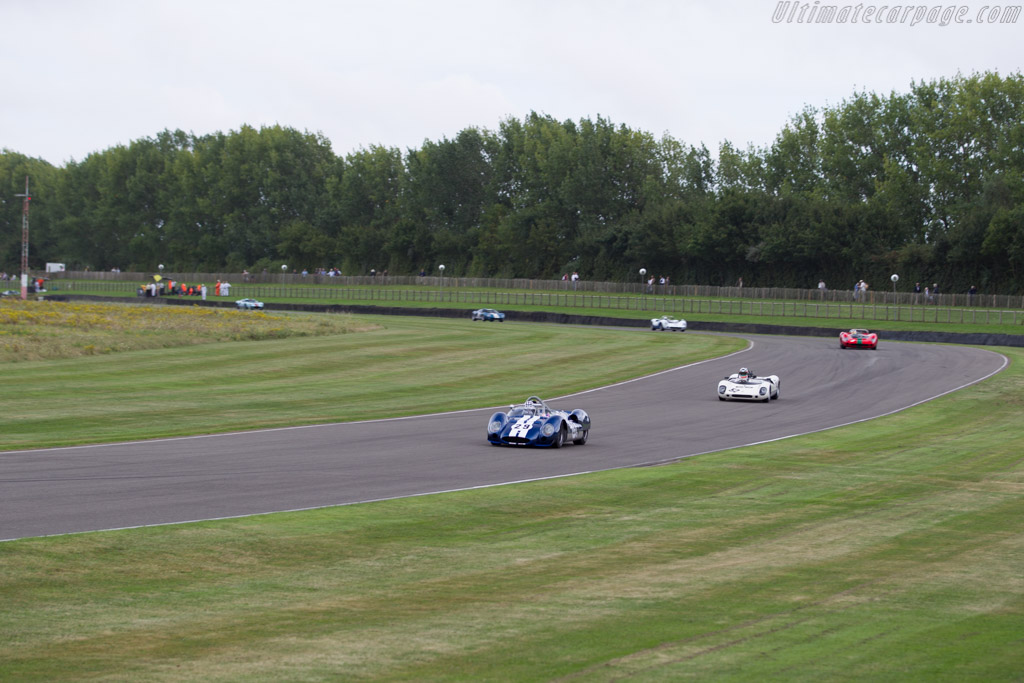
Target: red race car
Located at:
point(855, 338)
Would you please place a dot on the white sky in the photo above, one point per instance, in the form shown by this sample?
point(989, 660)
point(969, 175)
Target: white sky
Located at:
point(81, 76)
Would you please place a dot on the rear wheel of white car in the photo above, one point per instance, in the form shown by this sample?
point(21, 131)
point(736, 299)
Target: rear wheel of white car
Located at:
point(583, 437)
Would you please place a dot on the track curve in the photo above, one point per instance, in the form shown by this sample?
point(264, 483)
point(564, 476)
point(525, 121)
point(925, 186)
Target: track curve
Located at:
point(659, 418)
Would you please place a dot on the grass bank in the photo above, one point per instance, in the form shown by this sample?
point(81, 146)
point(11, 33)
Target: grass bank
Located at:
point(39, 330)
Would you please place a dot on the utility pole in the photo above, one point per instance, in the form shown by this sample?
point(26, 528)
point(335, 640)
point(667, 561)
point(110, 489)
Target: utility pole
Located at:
point(24, 240)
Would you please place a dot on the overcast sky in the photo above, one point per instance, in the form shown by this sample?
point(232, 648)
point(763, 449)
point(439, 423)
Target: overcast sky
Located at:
point(81, 76)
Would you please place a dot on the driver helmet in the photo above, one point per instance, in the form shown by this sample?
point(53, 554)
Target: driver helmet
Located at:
point(743, 375)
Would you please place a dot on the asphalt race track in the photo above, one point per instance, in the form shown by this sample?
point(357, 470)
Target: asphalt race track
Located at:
point(654, 419)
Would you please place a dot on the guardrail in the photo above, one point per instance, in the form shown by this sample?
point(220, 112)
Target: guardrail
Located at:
point(649, 305)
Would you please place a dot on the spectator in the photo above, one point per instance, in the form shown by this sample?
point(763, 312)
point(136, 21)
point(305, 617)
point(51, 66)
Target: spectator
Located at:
point(575, 279)
point(821, 288)
point(970, 295)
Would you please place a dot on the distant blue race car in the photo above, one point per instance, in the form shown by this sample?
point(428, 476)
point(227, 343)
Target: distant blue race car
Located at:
point(534, 423)
point(488, 314)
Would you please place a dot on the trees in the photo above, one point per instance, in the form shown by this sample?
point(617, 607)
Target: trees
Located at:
point(368, 206)
point(927, 183)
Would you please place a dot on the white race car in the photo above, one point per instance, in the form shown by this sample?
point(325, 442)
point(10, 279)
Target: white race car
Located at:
point(746, 386)
point(249, 304)
point(668, 324)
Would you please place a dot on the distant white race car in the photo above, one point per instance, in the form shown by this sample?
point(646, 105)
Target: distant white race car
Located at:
point(249, 304)
point(746, 386)
point(488, 314)
point(667, 324)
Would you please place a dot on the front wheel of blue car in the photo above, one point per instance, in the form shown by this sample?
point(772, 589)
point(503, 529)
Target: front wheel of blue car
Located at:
point(559, 438)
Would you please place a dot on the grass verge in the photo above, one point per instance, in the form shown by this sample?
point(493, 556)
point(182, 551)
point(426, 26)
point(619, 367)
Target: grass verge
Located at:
point(799, 313)
point(889, 550)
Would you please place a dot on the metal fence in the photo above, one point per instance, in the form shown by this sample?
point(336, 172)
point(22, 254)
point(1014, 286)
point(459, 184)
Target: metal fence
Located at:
point(653, 305)
point(878, 297)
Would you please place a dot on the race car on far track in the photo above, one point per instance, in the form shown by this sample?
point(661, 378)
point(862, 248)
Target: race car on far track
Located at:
point(249, 304)
point(534, 423)
point(746, 386)
point(488, 314)
point(858, 338)
point(668, 324)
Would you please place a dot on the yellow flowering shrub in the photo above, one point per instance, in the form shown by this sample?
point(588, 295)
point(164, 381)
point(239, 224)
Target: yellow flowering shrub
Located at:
point(37, 330)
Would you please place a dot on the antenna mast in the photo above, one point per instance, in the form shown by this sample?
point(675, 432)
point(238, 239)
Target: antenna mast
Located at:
point(24, 240)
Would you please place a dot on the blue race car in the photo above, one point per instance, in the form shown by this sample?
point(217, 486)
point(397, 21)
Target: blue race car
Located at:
point(534, 423)
point(488, 314)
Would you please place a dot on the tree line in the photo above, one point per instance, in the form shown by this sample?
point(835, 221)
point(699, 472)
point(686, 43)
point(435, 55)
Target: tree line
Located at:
point(927, 183)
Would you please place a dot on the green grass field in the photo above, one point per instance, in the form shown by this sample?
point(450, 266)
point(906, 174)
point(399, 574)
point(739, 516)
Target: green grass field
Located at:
point(887, 551)
point(396, 366)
